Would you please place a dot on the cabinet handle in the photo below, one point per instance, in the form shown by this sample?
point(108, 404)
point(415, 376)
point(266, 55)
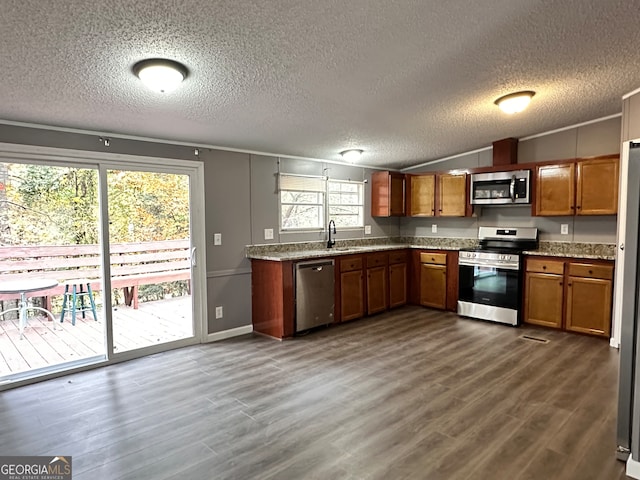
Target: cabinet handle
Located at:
point(560, 283)
point(569, 284)
point(590, 272)
point(544, 267)
point(578, 207)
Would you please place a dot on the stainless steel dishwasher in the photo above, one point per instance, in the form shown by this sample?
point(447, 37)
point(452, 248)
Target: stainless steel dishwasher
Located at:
point(315, 296)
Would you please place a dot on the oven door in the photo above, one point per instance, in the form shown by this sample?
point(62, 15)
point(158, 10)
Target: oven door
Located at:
point(493, 285)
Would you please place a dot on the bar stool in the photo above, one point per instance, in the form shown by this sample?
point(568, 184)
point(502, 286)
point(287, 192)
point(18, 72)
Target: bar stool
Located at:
point(74, 301)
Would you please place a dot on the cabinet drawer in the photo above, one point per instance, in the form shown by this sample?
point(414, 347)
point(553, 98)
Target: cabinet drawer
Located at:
point(397, 257)
point(376, 259)
point(545, 266)
point(350, 264)
point(437, 258)
point(591, 271)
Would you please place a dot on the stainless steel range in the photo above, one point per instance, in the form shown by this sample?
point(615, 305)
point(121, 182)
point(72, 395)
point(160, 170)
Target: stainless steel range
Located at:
point(490, 277)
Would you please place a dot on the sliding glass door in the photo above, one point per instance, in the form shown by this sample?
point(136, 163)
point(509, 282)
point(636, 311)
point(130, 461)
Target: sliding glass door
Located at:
point(49, 240)
point(97, 259)
point(150, 258)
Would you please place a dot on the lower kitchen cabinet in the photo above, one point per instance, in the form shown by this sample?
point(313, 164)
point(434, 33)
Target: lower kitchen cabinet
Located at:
point(569, 294)
point(433, 280)
point(351, 288)
point(544, 293)
point(376, 282)
point(589, 298)
point(397, 279)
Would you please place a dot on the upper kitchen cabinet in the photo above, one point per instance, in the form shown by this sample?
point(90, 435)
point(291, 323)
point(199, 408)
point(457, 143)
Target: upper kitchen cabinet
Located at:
point(387, 194)
point(583, 187)
point(597, 186)
point(422, 195)
point(555, 189)
point(452, 194)
point(437, 195)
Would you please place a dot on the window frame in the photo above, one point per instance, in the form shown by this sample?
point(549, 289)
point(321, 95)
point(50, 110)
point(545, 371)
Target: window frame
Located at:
point(305, 184)
point(291, 182)
point(359, 205)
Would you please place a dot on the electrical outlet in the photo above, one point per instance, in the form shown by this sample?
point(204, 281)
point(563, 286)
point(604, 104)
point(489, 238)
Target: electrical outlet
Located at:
point(367, 229)
point(434, 228)
point(218, 312)
point(268, 233)
point(217, 239)
point(564, 229)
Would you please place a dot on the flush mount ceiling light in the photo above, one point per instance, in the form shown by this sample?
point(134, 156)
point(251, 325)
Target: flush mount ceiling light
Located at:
point(515, 102)
point(159, 74)
point(351, 155)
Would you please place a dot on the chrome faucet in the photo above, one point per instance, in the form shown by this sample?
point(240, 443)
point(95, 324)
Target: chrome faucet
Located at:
point(331, 243)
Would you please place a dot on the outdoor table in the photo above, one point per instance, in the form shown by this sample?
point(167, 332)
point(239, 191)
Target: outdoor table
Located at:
point(23, 287)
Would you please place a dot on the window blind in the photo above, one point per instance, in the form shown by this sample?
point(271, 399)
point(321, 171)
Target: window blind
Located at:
point(301, 183)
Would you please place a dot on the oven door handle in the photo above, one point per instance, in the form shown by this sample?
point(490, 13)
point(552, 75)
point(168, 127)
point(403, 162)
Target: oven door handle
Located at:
point(499, 266)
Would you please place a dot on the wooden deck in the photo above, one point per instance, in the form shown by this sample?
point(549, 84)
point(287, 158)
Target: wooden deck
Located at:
point(43, 345)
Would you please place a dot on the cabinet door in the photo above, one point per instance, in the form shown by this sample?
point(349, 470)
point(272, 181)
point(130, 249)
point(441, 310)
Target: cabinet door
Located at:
point(387, 194)
point(351, 295)
point(423, 195)
point(597, 187)
point(376, 289)
point(397, 194)
point(453, 195)
point(589, 305)
point(555, 194)
point(433, 285)
point(543, 299)
point(397, 285)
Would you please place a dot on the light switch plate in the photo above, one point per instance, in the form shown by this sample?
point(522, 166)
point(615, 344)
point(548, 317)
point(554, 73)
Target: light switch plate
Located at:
point(268, 233)
point(217, 239)
point(367, 229)
point(434, 228)
point(218, 312)
point(564, 229)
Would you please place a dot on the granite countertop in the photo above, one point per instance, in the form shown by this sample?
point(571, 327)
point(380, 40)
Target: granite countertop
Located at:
point(595, 251)
point(310, 250)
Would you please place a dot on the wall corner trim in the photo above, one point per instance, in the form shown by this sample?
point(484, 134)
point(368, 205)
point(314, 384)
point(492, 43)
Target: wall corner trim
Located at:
point(233, 332)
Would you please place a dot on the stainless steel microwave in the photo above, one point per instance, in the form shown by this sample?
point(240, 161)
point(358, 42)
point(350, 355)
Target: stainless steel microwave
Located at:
point(501, 188)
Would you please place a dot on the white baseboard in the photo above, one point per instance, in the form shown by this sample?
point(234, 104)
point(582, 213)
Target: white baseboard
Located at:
point(633, 468)
point(233, 332)
point(613, 342)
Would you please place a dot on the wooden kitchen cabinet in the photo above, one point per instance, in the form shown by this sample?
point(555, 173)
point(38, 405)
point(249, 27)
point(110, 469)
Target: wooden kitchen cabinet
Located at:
point(589, 297)
point(351, 288)
point(569, 294)
point(544, 292)
point(437, 195)
point(273, 298)
point(376, 282)
point(422, 195)
point(433, 280)
point(597, 186)
point(584, 187)
point(397, 278)
point(387, 194)
point(452, 195)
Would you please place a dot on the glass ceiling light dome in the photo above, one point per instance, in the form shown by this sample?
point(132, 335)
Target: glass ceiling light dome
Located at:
point(351, 155)
point(515, 102)
point(159, 74)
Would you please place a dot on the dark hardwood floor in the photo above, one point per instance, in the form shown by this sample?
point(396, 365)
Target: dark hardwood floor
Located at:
point(410, 394)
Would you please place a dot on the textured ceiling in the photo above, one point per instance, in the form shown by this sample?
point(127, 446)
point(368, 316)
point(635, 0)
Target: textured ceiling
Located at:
point(407, 81)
